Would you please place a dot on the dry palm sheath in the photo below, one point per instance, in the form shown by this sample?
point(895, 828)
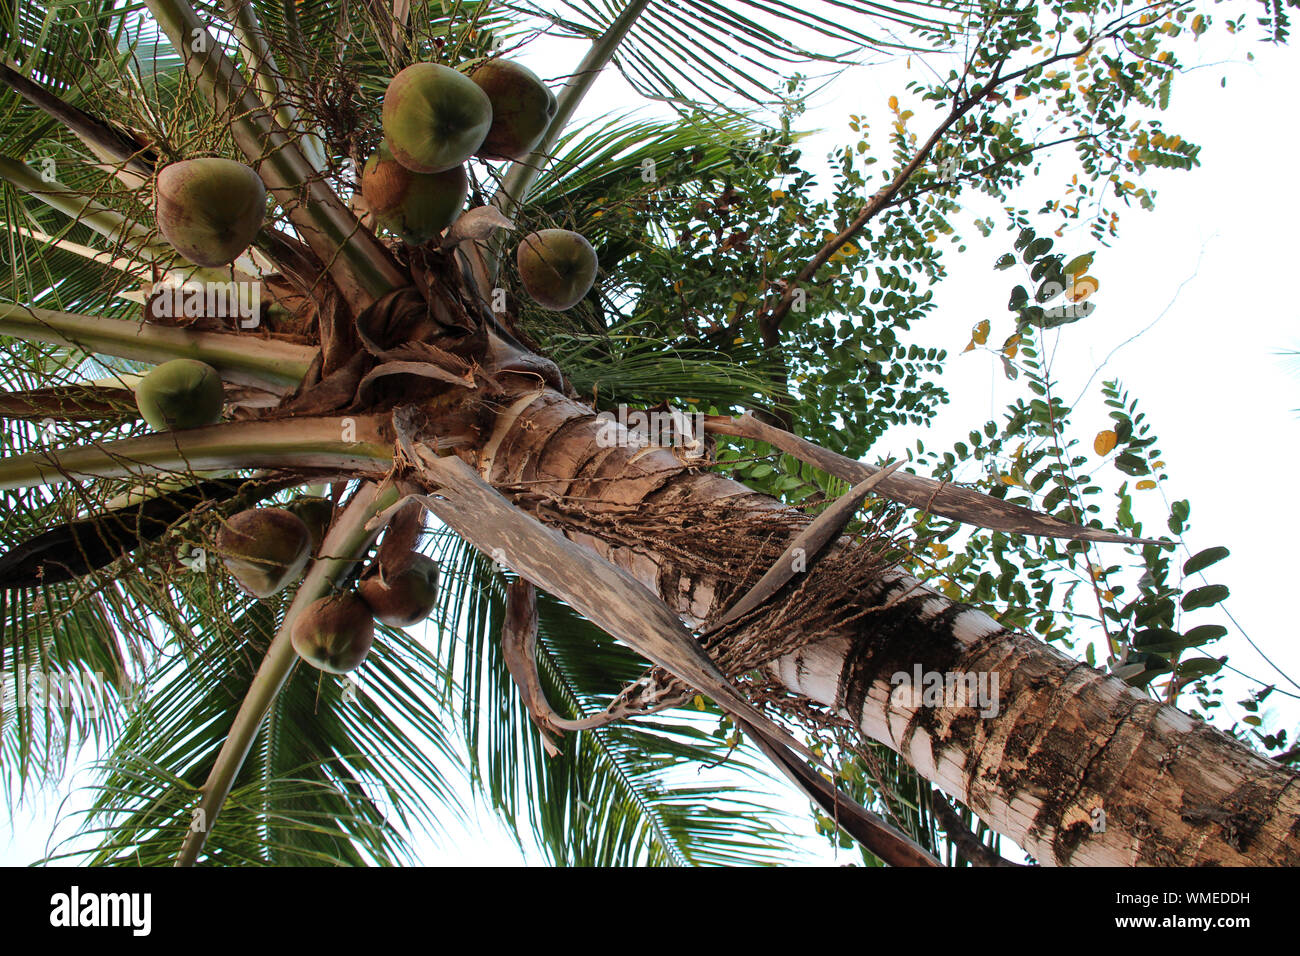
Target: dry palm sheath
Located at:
point(618, 603)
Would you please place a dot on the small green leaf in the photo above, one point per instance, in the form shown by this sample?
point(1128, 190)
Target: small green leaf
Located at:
point(1203, 634)
point(1204, 597)
point(1037, 249)
point(1199, 667)
point(1131, 464)
point(1078, 265)
point(1158, 640)
point(1209, 556)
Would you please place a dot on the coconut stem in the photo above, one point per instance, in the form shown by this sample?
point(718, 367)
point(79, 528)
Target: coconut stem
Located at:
point(521, 175)
point(360, 266)
point(108, 223)
point(519, 178)
point(347, 537)
point(243, 360)
point(314, 443)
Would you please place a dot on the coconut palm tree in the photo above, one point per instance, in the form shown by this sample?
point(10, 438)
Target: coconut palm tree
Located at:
point(400, 382)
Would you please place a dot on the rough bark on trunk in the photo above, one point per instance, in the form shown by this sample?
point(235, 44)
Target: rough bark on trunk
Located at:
point(1075, 766)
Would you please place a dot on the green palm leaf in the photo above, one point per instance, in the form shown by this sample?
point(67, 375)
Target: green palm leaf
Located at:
point(620, 795)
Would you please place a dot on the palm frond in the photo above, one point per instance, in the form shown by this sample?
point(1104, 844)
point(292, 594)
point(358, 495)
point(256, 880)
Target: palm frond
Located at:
point(621, 795)
point(341, 772)
point(631, 366)
point(709, 51)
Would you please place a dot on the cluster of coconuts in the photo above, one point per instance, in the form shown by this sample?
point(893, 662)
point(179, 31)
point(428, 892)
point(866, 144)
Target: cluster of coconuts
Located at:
point(267, 549)
point(435, 119)
point(210, 210)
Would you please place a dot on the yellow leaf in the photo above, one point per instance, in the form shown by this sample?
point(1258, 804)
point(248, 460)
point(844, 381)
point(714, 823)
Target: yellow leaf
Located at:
point(778, 195)
point(1108, 595)
point(980, 334)
point(1105, 442)
point(1134, 155)
point(1081, 287)
point(1146, 484)
point(1157, 464)
point(1008, 480)
point(739, 297)
point(893, 103)
point(940, 549)
point(737, 340)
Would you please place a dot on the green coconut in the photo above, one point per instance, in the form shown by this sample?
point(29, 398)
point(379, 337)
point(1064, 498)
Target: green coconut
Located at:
point(557, 267)
point(209, 209)
point(434, 117)
point(522, 108)
point(316, 513)
point(180, 394)
point(265, 549)
point(413, 206)
point(334, 633)
point(406, 598)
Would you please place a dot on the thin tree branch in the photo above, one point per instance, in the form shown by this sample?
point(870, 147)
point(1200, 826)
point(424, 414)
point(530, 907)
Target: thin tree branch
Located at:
point(769, 320)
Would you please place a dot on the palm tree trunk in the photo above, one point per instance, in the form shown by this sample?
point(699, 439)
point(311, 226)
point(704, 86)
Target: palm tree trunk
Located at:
point(1075, 766)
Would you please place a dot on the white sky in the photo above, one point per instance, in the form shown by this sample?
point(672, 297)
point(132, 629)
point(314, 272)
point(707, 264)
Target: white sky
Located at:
point(1206, 275)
